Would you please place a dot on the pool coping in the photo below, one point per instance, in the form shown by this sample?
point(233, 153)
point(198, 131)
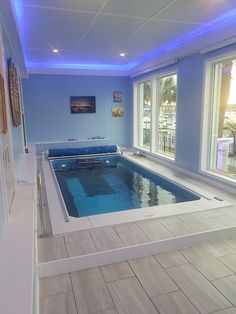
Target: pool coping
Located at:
point(60, 225)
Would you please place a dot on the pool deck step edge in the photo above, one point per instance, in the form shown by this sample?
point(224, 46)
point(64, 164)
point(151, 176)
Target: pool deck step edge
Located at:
point(72, 264)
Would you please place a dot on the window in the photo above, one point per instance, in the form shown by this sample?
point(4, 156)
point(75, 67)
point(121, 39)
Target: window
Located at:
point(155, 115)
point(166, 118)
point(144, 96)
point(221, 116)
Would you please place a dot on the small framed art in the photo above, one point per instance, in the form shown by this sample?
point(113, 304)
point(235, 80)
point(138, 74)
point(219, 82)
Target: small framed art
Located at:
point(117, 112)
point(117, 96)
point(82, 104)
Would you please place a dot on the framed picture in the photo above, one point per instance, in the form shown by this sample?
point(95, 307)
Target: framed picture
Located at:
point(117, 112)
point(82, 104)
point(14, 92)
point(117, 96)
point(3, 114)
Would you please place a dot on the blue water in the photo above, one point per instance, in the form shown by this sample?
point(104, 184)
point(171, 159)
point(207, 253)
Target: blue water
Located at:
point(109, 184)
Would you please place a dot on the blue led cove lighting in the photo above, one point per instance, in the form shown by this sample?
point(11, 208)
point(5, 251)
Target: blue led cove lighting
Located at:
point(224, 20)
point(219, 23)
point(83, 66)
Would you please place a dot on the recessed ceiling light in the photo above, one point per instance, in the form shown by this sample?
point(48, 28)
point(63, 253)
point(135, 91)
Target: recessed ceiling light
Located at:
point(55, 50)
point(122, 54)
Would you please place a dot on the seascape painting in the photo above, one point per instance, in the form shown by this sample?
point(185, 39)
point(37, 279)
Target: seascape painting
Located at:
point(83, 104)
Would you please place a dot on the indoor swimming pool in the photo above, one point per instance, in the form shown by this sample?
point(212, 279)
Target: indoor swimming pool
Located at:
point(99, 185)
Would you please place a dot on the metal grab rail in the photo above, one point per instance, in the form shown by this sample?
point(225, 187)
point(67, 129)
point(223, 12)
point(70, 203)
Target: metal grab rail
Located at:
point(40, 205)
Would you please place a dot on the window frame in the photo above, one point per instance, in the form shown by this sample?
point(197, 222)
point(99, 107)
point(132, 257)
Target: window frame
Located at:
point(155, 107)
point(206, 116)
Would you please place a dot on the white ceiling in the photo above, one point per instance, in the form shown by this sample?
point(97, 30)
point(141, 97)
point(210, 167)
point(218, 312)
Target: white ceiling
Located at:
point(90, 34)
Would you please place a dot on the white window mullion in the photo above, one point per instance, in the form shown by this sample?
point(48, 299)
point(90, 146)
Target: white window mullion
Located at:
point(153, 116)
point(135, 115)
point(216, 92)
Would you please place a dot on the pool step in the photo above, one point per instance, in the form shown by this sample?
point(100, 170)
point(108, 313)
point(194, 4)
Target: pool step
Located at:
point(78, 263)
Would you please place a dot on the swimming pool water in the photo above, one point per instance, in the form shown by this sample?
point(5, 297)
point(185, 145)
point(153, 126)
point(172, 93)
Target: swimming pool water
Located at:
point(108, 184)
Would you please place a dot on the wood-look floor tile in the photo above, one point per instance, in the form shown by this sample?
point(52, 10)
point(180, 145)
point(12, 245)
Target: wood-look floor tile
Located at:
point(82, 247)
point(91, 293)
point(210, 213)
point(207, 264)
point(106, 239)
point(117, 271)
point(133, 237)
point(54, 285)
point(112, 311)
point(218, 249)
point(58, 304)
point(152, 276)
point(221, 222)
point(54, 248)
point(171, 259)
point(77, 236)
point(154, 230)
point(169, 220)
point(197, 222)
point(126, 227)
point(204, 296)
point(180, 229)
point(229, 261)
point(229, 212)
point(231, 243)
point(230, 310)
point(227, 286)
point(41, 251)
point(174, 303)
point(130, 298)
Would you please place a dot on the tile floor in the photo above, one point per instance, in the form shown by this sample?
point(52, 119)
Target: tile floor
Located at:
point(112, 237)
point(201, 279)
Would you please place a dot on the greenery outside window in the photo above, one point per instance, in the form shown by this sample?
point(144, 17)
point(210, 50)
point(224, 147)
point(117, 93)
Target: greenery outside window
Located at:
point(155, 115)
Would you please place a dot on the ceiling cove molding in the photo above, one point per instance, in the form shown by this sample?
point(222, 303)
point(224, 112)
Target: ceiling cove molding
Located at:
point(9, 26)
point(73, 71)
point(155, 67)
point(218, 45)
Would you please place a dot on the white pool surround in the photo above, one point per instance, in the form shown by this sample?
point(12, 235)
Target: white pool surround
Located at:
point(60, 225)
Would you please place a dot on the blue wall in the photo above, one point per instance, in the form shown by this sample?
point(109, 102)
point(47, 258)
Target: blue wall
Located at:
point(48, 114)
point(189, 109)
point(16, 132)
point(190, 87)
point(47, 108)
point(189, 106)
